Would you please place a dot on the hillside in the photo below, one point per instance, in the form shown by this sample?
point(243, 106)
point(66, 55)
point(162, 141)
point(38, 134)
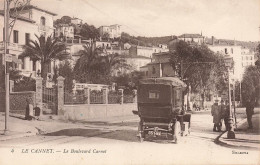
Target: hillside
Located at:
point(146, 41)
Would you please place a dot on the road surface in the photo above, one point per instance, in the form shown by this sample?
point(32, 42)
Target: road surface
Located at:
point(117, 143)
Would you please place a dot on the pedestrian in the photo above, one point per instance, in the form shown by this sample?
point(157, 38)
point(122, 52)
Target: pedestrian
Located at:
point(215, 112)
point(225, 115)
point(29, 109)
point(222, 112)
point(249, 113)
point(37, 111)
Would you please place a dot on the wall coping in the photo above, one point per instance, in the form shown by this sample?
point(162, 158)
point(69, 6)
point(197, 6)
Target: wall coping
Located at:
point(99, 104)
point(23, 92)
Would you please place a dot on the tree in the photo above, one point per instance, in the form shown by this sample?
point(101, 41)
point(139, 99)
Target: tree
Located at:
point(250, 84)
point(89, 31)
point(45, 50)
point(65, 70)
point(198, 66)
point(88, 68)
point(250, 91)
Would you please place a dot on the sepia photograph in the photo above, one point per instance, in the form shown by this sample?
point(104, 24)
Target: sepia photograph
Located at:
point(129, 82)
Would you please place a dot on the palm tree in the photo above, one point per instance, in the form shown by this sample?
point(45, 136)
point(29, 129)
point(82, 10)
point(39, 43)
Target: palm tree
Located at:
point(87, 63)
point(45, 50)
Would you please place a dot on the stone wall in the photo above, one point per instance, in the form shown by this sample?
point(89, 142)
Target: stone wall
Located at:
point(84, 112)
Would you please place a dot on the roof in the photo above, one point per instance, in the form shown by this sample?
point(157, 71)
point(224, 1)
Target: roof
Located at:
point(28, 7)
point(19, 17)
point(157, 62)
point(190, 36)
point(139, 57)
point(174, 81)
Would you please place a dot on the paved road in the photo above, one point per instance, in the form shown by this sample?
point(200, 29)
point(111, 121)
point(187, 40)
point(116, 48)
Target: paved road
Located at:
point(118, 143)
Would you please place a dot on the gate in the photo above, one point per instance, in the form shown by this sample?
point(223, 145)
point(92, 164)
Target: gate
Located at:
point(49, 100)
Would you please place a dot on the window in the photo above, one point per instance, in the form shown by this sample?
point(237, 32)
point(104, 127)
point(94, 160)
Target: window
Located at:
point(15, 36)
point(232, 50)
point(153, 70)
point(34, 65)
point(42, 21)
point(226, 51)
point(23, 64)
point(27, 38)
point(3, 34)
point(154, 94)
point(251, 58)
point(178, 97)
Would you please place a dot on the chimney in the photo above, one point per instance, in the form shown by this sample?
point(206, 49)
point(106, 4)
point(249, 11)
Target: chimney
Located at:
point(212, 40)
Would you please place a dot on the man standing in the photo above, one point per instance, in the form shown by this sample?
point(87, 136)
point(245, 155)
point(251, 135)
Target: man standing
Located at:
point(249, 113)
point(215, 112)
point(222, 112)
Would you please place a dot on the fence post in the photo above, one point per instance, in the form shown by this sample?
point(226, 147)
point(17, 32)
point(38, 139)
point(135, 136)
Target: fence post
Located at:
point(135, 96)
point(11, 86)
point(60, 94)
point(87, 93)
point(105, 95)
point(121, 91)
point(38, 95)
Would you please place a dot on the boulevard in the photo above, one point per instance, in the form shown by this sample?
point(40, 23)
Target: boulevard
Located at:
point(97, 141)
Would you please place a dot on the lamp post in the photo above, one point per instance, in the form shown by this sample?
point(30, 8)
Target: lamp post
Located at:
point(231, 133)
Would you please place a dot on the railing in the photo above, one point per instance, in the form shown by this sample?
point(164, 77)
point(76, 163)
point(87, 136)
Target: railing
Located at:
point(96, 98)
point(114, 99)
point(75, 98)
point(128, 98)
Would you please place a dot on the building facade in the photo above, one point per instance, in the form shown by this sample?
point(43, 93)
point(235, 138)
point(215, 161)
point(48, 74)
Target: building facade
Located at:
point(32, 21)
point(65, 31)
point(192, 38)
point(113, 31)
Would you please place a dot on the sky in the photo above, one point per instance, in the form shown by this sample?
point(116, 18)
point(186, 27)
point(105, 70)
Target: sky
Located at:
point(226, 19)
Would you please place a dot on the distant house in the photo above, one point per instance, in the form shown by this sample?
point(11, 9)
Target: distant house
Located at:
point(141, 51)
point(113, 31)
point(159, 67)
point(65, 31)
point(76, 21)
point(192, 38)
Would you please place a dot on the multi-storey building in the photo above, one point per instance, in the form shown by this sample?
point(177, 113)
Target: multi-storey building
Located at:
point(65, 31)
point(192, 38)
point(31, 21)
point(141, 51)
point(114, 31)
point(229, 50)
point(248, 58)
point(160, 48)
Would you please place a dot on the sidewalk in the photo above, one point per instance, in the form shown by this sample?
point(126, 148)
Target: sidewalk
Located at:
point(245, 138)
point(18, 127)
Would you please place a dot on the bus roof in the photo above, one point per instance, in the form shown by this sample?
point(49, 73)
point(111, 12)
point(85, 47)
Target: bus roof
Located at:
point(173, 81)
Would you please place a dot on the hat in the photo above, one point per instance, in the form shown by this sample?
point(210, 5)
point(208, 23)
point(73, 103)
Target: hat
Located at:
point(216, 101)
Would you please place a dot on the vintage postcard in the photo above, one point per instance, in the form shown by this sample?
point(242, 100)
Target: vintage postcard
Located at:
point(129, 82)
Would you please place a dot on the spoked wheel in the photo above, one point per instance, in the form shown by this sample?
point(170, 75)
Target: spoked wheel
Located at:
point(177, 132)
point(141, 134)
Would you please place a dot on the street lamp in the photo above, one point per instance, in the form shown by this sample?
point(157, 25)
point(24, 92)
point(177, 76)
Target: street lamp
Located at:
point(231, 133)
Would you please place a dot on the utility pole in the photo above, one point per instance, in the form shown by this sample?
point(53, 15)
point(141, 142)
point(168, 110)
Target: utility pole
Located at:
point(15, 14)
point(6, 51)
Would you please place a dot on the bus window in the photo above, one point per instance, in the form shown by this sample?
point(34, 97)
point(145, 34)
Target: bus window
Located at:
point(178, 97)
